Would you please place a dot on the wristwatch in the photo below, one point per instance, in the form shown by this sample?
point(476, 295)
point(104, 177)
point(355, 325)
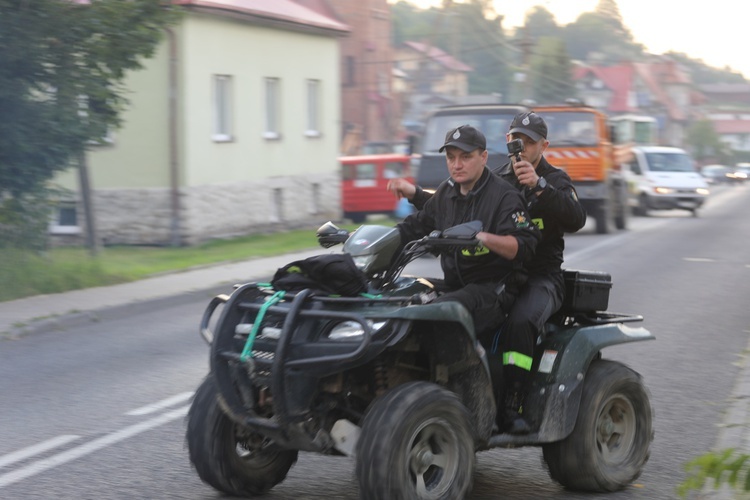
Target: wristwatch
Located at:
point(540, 185)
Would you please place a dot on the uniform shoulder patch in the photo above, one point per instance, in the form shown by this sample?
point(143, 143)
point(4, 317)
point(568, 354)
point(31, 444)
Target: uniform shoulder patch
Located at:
point(520, 220)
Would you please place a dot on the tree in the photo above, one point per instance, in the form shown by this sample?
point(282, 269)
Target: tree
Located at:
point(706, 144)
point(550, 71)
point(540, 22)
point(468, 31)
point(62, 63)
point(602, 34)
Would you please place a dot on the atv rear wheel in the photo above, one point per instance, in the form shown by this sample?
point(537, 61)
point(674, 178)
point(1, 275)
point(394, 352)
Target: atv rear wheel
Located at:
point(415, 443)
point(233, 461)
point(610, 441)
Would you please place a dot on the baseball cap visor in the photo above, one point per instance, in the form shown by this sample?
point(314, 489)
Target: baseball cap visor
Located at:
point(520, 130)
point(460, 145)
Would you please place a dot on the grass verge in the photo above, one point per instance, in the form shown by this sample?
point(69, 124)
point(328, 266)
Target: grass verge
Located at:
point(23, 274)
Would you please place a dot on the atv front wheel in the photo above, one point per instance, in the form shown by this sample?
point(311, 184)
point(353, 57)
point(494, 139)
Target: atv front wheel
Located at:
point(228, 458)
point(610, 442)
point(415, 443)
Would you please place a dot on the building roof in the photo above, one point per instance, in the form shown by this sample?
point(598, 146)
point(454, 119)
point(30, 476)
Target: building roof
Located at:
point(279, 12)
point(618, 79)
point(731, 126)
point(621, 78)
point(438, 55)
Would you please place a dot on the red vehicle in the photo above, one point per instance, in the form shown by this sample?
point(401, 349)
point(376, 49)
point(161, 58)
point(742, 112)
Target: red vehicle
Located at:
point(364, 180)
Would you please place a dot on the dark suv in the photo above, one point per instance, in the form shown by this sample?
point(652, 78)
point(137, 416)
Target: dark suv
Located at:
point(492, 119)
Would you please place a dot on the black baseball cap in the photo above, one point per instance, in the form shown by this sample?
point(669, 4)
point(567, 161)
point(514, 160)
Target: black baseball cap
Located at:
point(466, 138)
point(529, 123)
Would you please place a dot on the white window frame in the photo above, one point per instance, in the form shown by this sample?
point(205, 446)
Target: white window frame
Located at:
point(56, 226)
point(222, 108)
point(272, 108)
point(313, 108)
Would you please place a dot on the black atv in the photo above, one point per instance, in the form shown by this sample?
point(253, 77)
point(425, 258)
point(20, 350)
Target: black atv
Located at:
point(404, 386)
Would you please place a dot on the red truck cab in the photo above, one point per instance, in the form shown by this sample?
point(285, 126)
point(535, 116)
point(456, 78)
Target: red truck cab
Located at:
point(364, 181)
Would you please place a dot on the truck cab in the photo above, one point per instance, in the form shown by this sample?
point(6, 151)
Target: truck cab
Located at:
point(364, 181)
point(580, 144)
point(492, 119)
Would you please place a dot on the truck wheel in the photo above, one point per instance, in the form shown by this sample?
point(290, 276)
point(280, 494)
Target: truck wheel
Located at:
point(621, 212)
point(601, 216)
point(233, 461)
point(642, 208)
point(610, 442)
point(415, 443)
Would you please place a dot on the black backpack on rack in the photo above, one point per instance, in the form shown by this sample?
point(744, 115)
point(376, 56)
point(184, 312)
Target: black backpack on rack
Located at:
point(334, 274)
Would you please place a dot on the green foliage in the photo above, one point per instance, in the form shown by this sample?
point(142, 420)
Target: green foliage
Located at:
point(61, 65)
point(706, 144)
point(467, 31)
point(550, 72)
point(715, 469)
point(597, 36)
point(703, 74)
point(24, 219)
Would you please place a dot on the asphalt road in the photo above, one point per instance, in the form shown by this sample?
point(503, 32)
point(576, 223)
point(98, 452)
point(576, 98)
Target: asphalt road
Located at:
point(97, 411)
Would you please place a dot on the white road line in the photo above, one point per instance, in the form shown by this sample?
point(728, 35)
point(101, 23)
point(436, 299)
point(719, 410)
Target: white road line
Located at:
point(160, 405)
point(36, 449)
point(97, 444)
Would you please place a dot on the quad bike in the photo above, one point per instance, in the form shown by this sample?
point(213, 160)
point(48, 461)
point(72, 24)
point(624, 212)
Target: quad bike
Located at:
point(404, 386)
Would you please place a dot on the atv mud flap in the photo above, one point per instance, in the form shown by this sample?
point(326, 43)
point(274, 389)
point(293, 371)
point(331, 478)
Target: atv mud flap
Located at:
point(559, 371)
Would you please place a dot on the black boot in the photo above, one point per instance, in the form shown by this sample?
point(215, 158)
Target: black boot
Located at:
point(514, 421)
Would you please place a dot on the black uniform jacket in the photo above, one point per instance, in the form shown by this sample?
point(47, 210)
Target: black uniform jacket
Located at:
point(555, 211)
point(501, 209)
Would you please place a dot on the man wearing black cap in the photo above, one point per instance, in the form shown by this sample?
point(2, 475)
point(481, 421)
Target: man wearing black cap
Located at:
point(553, 205)
point(484, 280)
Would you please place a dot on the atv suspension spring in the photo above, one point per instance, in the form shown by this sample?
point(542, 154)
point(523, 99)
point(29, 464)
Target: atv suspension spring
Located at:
point(381, 377)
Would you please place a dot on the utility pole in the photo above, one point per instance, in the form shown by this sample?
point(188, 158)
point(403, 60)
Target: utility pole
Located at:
point(83, 178)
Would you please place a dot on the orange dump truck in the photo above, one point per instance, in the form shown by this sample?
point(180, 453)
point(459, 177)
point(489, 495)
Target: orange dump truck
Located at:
point(580, 144)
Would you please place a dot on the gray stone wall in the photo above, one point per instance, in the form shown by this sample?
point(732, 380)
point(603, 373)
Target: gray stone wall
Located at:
point(144, 216)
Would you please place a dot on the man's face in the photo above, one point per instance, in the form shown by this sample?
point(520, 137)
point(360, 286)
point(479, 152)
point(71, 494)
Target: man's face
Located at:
point(532, 150)
point(465, 168)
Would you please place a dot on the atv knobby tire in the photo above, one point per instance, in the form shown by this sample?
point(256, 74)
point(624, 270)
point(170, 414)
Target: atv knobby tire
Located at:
point(415, 443)
point(610, 442)
point(224, 458)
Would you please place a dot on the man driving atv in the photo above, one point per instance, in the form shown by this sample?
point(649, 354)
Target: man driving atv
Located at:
point(554, 207)
point(487, 279)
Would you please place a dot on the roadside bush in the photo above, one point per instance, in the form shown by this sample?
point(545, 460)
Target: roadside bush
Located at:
point(24, 220)
point(715, 469)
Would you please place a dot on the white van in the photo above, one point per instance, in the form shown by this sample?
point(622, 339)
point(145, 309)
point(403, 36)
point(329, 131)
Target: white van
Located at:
point(661, 178)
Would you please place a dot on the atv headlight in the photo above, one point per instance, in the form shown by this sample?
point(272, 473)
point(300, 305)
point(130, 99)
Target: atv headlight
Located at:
point(363, 261)
point(352, 330)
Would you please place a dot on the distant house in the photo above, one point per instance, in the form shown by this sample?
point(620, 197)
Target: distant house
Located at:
point(728, 108)
point(369, 110)
point(659, 88)
point(431, 76)
point(233, 128)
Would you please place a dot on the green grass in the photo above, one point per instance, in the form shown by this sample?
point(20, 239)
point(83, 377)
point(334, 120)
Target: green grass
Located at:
point(24, 273)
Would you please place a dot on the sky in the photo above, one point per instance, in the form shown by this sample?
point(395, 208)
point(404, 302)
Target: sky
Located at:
point(717, 32)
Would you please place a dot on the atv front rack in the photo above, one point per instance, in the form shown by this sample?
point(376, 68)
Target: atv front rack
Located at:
point(236, 375)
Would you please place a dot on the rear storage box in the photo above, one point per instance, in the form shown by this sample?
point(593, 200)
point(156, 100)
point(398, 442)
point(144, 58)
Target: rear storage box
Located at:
point(586, 291)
